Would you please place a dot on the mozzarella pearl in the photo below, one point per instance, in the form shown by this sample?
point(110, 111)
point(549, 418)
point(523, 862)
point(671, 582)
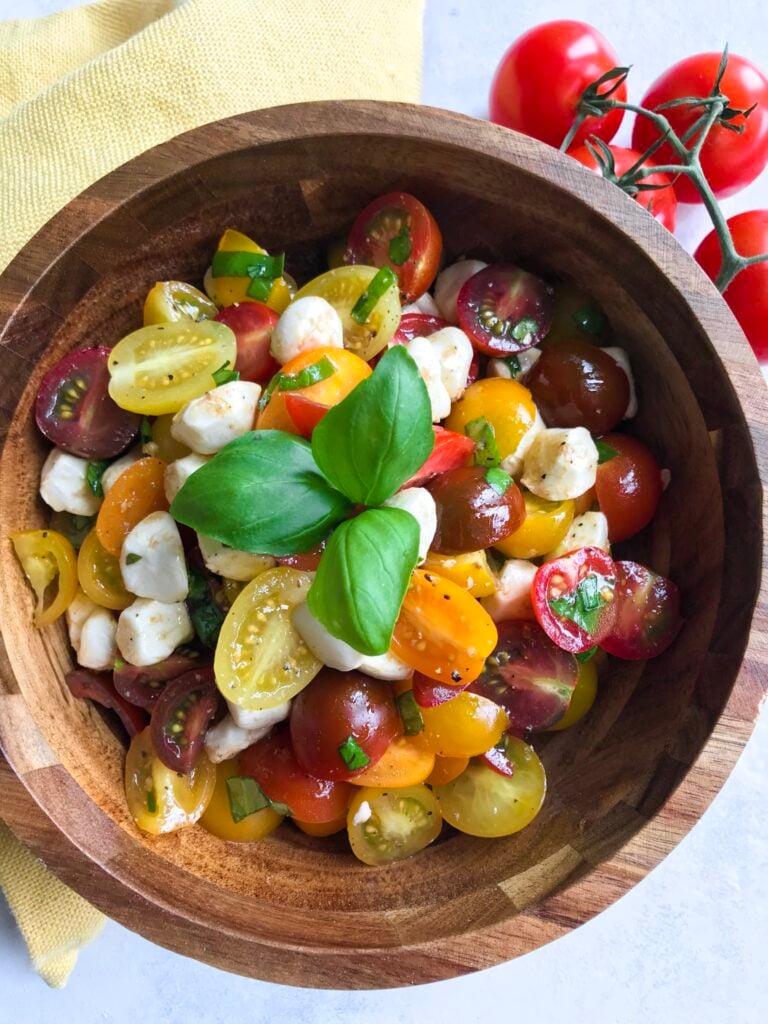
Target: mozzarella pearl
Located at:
point(148, 631)
point(308, 323)
point(64, 485)
point(561, 463)
point(208, 423)
point(512, 599)
point(152, 560)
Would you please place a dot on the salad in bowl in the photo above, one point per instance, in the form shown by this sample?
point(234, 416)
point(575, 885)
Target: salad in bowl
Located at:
point(342, 553)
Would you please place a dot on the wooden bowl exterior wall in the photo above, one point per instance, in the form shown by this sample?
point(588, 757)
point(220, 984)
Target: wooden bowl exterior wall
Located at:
point(625, 784)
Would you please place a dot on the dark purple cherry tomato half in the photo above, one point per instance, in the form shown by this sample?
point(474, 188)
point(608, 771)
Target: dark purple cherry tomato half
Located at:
point(252, 324)
point(573, 598)
point(342, 723)
point(98, 687)
point(428, 693)
point(143, 686)
point(529, 676)
point(417, 325)
point(473, 511)
point(647, 613)
point(575, 384)
point(505, 310)
point(74, 410)
point(181, 717)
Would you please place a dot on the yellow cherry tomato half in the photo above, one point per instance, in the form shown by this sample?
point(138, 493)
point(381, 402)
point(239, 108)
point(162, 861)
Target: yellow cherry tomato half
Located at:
point(217, 817)
point(99, 575)
point(261, 661)
point(161, 800)
point(544, 527)
point(442, 631)
point(505, 404)
point(582, 698)
point(322, 828)
point(469, 570)
point(404, 763)
point(163, 444)
point(48, 559)
point(169, 301)
point(136, 493)
point(446, 770)
point(342, 287)
point(481, 802)
point(465, 726)
point(158, 369)
point(225, 291)
point(385, 825)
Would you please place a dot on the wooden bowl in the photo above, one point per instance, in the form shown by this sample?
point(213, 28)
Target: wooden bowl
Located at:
point(629, 781)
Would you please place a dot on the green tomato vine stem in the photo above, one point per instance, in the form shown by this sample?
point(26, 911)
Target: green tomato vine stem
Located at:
point(715, 109)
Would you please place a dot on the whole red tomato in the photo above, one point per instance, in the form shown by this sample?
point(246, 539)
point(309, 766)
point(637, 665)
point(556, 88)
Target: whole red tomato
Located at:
point(747, 294)
point(539, 82)
point(662, 203)
point(729, 160)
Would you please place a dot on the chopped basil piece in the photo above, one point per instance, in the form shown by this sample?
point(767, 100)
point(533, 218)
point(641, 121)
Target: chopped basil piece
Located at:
point(260, 288)
point(93, 475)
point(279, 808)
point(484, 436)
point(590, 319)
point(604, 451)
point(132, 558)
point(152, 801)
point(584, 604)
point(268, 391)
point(365, 305)
point(118, 665)
point(145, 431)
point(523, 328)
point(247, 264)
point(198, 588)
point(224, 375)
point(246, 797)
point(353, 755)
point(400, 246)
point(207, 619)
point(313, 374)
point(514, 365)
point(590, 593)
point(498, 479)
point(587, 655)
point(74, 528)
point(413, 720)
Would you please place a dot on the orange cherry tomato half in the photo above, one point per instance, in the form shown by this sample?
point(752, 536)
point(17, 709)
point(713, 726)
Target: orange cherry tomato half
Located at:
point(404, 763)
point(446, 770)
point(134, 495)
point(307, 406)
point(323, 828)
point(442, 631)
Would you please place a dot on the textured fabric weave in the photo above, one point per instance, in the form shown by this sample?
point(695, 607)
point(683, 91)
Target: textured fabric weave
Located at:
point(85, 90)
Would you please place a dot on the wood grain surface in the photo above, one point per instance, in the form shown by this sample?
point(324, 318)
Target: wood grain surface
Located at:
point(626, 783)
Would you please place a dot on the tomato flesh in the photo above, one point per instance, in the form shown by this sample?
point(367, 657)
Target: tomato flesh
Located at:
point(466, 726)
point(628, 486)
point(398, 231)
point(47, 557)
point(98, 687)
point(99, 575)
point(135, 494)
point(573, 598)
point(545, 525)
point(451, 451)
point(582, 699)
point(428, 693)
point(143, 686)
point(386, 825)
point(660, 202)
point(181, 716)
point(417, 325)
point(647, 617)
point(504, 309)
point(252, 324)
point(471, 513)
point(74, 409)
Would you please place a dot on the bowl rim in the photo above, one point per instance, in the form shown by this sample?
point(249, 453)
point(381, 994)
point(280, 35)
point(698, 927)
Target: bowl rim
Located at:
point(607, 880)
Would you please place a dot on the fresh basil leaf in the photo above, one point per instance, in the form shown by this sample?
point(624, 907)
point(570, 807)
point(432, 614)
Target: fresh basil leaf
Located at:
point(224, 375)
point(410, 713)
point(246, 797)
point(604, 451)
point(321, 370)
point(198, 587)
point(261, 493)
point(259, 288)
point(353, 755)
point(373, 441)
point(486, 450)
point(584, 604)
point(75, 528)
point(400, 246)
point(380, 284)
point(363, 576)
point(93, 474)
point(514, 365)
point(498, 479)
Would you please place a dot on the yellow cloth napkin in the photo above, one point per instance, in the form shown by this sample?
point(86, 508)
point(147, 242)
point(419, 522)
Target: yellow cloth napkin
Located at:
point(87, 89)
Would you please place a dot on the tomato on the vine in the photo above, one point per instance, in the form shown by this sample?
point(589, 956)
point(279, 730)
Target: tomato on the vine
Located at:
point(730, 160)
point(661, 202)
point(628, 486)
point(541, 77)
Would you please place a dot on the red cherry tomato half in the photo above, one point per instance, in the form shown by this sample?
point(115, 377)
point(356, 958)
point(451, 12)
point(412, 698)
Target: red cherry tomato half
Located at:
point(417, 325)
point(304, 412)
point(342, 723)
point(730, 160)
point(573, 598)
point(647, 616)
point(628, 486)
point(252, 324)
point(399, 232)
point(504, 309)
point(181, 716)
point(98, 687)
point(451, 451)
point(273, 764)
point(541, 77)
point(143, 686)
point(307, 561)
point(497, 758)
point(429, 693)
point(74, 409)
point(747, 294)
point(661, 202)
point(529, 676)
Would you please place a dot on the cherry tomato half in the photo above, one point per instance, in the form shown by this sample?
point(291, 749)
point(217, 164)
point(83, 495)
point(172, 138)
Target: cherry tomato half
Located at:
point(541, 77)
point(217, 817)
point(747, 294)
point(451, 451)
point(134, 495)
point(660, 202)
point(98, 687)
point(446, 770)
point(573, 598)
point(505, 405)
point(342, 724)
point(45, 556)
point(504, 309)
point(405, 762)
point(575, 384)
point(417, 325)
point(529, 676)
point(628, 486)
point(252, 324)
point(399, 232)
point(74, 409)
point(225, 291)
point(730, 160)
point(545, 525)
point(473, 511)
point(181, 717)
point(385, 825)
point(442, 630)
point(308, 405)
point(582, 699)
point(273, 764)
point(428, 693)
point(463, 727)
point(143, 686)
point(647, 617)
point(168, 301)
point(99, 575)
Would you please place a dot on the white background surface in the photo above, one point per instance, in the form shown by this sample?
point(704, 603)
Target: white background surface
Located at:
point(686, 945)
